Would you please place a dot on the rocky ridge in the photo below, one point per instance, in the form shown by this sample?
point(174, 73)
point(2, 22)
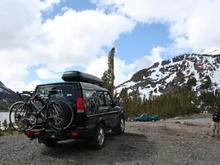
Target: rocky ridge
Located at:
point(195, 71)
point(7, 94)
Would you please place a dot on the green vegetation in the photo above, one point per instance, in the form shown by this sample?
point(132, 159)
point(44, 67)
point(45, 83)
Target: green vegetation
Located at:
point(4, 105)
point(6, 128)
point(108, 76)
point(166, 105)
point(207, 83)
point(191, 82)
point(210, 100)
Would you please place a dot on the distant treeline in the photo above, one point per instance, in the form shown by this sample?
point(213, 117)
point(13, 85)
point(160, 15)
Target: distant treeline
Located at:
point(4, 105)
point(184, 102)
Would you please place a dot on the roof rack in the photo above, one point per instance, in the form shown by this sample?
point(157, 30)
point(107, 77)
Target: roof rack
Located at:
point(80, 76)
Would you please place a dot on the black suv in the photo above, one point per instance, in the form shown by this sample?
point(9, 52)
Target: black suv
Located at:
point(94, 110)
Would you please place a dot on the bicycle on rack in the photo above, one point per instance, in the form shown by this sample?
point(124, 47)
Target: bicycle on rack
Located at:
point(52, 113)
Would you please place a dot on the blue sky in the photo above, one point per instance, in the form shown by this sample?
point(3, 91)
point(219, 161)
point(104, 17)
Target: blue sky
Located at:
point(130, 46)
point(52, 36)
point(141, 40)
point(77, 5)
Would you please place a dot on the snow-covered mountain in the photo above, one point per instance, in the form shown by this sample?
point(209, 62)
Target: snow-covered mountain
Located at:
point(194, 71)
point(6, 93)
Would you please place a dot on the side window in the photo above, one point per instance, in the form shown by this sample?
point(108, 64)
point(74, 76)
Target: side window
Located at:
point(101, 98)
point(90, 101)
point(108, 99)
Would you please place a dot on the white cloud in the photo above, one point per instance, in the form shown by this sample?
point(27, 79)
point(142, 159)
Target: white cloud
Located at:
point(148, 60)
point(45, 73)
point(31, 86)
point(13, 74)
point(71, 39)
point(97, 66)
point(76, 37)
point(150, 10)
point(194, 24)
point(45, 4)
point(203, 26)
point(21, 22)
point(122, 70)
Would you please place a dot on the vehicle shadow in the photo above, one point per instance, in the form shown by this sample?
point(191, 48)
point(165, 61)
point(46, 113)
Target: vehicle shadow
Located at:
point(120, 148)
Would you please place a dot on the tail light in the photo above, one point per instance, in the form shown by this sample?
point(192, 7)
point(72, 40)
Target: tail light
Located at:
point(29, 133)
point(32, 134)
point(80, 107)
point(72, 134)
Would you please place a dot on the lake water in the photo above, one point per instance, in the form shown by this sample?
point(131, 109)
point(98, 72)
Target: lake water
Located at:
point(3, 116)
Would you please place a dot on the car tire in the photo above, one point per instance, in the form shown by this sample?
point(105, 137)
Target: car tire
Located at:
point(50, 142)
point(99, 138)
point(121, 126)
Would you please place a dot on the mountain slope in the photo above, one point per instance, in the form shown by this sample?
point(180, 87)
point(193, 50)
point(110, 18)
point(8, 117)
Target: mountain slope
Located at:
point(7, 94)
point(194, 71)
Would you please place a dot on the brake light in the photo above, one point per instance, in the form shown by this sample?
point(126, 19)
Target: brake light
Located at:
point(80, 107)
point(29, 133)
point(72, 134)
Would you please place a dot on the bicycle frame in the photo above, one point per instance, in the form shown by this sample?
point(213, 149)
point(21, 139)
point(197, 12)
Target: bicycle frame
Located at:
point(36, 115)
point(40, 112)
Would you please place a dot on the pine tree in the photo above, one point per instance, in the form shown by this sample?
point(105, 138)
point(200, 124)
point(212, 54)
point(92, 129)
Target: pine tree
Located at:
point(124, 100)
point(108, 77)
point(207, 84)
point(191, 82)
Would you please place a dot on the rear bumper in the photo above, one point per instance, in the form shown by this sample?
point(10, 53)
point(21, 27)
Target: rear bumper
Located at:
point(46, 134)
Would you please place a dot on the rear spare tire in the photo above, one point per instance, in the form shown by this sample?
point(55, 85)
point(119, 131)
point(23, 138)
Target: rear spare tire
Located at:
point(59, 114)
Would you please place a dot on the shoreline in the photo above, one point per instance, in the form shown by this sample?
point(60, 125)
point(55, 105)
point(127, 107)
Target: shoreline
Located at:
point(4, 110)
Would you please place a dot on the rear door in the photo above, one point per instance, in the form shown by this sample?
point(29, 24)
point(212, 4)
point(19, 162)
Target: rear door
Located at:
point(99, 105)
point(111, 110)
point(91, 107)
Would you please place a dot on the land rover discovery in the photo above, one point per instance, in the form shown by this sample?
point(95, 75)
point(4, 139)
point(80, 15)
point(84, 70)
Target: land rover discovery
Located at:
point(94, 111)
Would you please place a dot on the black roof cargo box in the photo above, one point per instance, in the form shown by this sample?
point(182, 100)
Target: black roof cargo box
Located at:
point(80, 76)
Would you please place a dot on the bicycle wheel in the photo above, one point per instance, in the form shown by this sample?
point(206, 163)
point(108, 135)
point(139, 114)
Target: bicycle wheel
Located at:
point(55, 116)
point(59, 115)
point(21, 116)
point(68, 113)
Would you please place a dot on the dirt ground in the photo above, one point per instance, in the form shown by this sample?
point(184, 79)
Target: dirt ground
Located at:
point(178, 141)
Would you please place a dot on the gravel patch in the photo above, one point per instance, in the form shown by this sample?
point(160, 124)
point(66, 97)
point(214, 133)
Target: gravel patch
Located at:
point(159, 143)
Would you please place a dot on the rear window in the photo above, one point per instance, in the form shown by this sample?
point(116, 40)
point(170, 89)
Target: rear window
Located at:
point(66, 91)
